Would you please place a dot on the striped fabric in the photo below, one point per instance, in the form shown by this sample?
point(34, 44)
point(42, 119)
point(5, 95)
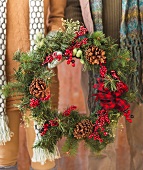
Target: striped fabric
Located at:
point(112, 19)
point(73, 10)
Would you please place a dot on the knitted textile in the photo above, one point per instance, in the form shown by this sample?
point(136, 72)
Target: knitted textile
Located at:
point(2, 51)
point(36, 22)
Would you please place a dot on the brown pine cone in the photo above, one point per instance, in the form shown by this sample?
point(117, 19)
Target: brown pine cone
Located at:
point(38, 88)
point(83, 129)
point(95, 55)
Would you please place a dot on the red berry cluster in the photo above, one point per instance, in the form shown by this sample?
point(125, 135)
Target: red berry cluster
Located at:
point(103, 71)
point(48, 59)
point(68, 111)
point(44, 129)
point(51, 57)
point(82, 31)
point(47, 125)
point(79, 44)
point(69, 51)
point(34, 103)
point(57, 55)
point(54, 122)
point(99, 125)
point(76, 43)
point(69, 56)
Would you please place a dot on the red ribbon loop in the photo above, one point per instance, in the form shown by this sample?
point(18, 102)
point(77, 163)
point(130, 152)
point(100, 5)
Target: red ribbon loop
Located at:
point(112, 99)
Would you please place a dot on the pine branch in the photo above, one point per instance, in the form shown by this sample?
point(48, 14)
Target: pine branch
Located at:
point(12, 89)
point(70, 146)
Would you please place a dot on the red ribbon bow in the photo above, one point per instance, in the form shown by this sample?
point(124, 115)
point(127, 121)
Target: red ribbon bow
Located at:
point(112, 99)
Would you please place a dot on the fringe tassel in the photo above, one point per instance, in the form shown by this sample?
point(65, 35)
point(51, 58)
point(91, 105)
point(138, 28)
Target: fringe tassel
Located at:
point(41, 155)
point(5, 133)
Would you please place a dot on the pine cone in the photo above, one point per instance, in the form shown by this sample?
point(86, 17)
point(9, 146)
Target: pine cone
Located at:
point(83, 129)
point(38, 88)
point(94, 55)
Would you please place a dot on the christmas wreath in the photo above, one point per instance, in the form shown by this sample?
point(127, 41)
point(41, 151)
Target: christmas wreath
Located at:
point(113, 93)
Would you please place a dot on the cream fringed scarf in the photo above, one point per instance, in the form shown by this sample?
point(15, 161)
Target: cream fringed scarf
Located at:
point(36, 24)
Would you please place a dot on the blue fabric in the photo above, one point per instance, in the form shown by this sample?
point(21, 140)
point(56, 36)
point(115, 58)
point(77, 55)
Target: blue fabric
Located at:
point(131, 37)
point(96, 11)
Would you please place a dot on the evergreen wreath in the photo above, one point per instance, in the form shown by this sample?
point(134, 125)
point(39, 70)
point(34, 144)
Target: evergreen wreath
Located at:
point(113, 90)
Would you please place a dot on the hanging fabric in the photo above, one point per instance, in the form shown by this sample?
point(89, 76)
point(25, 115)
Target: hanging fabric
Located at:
point(5, 133)
point(131, 37)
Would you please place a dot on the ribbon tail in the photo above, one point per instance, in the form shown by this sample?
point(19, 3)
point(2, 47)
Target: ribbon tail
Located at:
point(122, 105)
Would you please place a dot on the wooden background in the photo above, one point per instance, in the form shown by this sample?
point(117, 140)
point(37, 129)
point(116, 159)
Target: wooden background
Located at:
point(71, 94)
